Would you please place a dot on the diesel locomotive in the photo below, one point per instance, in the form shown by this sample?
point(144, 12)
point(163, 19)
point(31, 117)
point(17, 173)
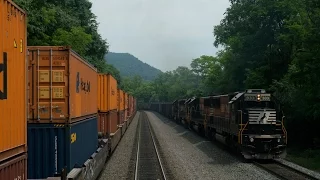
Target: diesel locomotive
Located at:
point(250, 122)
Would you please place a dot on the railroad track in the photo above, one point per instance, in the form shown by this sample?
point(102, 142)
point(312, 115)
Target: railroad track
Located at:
point(148, 162)
point(283, 171)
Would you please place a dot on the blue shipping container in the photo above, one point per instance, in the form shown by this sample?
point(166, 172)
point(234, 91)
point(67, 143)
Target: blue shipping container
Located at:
point(52, 147)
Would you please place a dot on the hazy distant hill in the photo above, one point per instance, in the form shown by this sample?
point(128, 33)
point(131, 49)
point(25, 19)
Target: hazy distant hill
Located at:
point(128, 65)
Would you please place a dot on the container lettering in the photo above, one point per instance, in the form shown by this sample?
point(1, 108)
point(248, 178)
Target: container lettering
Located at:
point(3, 71)
point(85, 85)
point(56, 154)
point(112, 91)
point(18, 178)
point(73, 137)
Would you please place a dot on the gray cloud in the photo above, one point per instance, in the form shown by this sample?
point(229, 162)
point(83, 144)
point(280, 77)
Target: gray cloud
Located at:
point(165, 34)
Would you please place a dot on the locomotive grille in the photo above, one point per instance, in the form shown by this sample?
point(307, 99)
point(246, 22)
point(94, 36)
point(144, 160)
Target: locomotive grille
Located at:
point(262, 116)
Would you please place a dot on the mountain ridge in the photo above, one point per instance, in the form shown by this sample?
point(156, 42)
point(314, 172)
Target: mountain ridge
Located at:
point(129, 66)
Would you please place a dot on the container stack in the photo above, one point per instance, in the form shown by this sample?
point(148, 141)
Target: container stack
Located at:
point(13, 97)
point(62, 121)
point(107, 105)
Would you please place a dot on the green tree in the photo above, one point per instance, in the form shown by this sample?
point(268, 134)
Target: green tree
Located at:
point(67, 23)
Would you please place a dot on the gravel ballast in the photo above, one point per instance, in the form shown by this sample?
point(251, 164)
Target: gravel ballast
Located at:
point(300, 168)
point(190, 156)
point(117, 166)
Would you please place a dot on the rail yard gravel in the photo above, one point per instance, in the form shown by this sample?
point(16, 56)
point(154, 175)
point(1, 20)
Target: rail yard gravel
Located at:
point(190, 156)
point(117, 166)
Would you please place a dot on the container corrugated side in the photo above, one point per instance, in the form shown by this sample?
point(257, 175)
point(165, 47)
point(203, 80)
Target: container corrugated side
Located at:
point(112, 93)
point(14, 169)
point(63, 86)
point(51, 147)
point(102, 92)
point(13, 96)
point(107, 95)
point(120, 100)
point(107, 123)
point(121, 117)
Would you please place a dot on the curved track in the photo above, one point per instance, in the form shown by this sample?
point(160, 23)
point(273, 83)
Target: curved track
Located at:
point(148, 162)
point(283, 171)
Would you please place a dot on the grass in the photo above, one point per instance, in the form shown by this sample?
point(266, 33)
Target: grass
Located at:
point(308, 158)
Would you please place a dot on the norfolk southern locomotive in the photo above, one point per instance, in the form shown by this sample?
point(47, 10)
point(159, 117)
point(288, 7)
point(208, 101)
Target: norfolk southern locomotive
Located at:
point(250, 122)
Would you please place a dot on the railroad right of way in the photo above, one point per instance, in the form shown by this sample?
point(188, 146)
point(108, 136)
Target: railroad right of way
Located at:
point(190, 156)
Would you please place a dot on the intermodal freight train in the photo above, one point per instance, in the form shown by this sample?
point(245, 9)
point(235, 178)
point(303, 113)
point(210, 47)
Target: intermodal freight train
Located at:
point(59, 117)
point(250, 122)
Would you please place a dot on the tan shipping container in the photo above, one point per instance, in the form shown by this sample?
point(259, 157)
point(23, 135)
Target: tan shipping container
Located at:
point(107, 96)
point(14, 169)
point(13, 79)
point(62, 85)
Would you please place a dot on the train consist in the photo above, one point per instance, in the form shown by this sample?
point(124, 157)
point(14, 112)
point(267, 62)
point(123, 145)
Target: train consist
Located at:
point(59, 117)
point(250, 122)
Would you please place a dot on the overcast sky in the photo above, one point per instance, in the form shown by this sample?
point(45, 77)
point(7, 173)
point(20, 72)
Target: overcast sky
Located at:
point(163, 33)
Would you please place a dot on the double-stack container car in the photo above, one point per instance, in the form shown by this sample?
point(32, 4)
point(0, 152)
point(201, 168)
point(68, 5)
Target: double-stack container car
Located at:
point(108, 121)
point(107, 105)
point(13, 95)
point(51, 100)
point(62, 110)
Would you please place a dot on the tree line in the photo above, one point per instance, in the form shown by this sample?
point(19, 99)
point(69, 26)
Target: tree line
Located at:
point(67, 23)
point(269, 44)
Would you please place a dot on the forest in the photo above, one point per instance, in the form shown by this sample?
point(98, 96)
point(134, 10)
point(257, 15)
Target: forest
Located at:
point(270, 44)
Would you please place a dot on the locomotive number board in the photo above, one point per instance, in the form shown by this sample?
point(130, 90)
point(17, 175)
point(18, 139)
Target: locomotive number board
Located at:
point(255, 97)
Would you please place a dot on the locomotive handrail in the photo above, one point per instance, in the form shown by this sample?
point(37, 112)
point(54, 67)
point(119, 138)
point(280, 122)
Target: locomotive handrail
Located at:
point(241, 129)
point(284, 129)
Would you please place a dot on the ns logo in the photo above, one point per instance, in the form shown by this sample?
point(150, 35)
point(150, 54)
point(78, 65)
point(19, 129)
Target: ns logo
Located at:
point(81, 84)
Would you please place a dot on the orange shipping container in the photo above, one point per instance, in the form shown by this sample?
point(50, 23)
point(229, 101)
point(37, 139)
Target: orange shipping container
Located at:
point(13, 79)
point(107, 97)
point(120, 100)
point(62, 85)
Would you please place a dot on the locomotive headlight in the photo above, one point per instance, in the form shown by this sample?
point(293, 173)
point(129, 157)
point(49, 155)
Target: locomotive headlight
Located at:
point(251, 139)
point(258, 97)
point(279, 140)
